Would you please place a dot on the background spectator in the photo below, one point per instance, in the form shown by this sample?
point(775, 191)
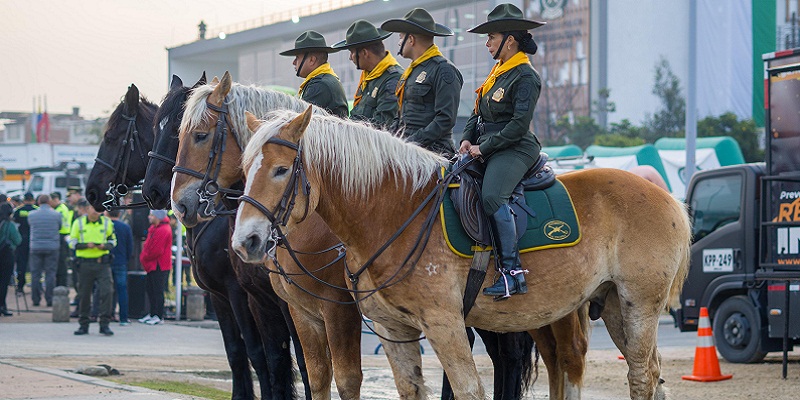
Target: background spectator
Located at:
point(156, 258)
point(45, 245)
point(9, 240)
point(119, 265)
point(23, 250)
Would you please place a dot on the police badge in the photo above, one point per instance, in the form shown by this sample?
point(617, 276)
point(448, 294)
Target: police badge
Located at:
point(498, 94)
point(374, 92)
point(421, 76)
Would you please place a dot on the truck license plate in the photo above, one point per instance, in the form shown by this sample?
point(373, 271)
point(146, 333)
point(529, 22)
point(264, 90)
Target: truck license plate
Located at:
point(718, 260)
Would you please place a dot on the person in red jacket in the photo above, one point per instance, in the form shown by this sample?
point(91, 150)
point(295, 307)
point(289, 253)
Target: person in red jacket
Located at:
point(156, 258)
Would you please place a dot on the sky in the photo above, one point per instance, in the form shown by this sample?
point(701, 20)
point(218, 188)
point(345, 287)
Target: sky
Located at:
point(85, 53)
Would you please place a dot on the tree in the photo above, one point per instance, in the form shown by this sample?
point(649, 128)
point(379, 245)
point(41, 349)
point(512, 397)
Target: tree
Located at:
point(668, 121)
point(617, 140)
point(744, 132)
point(580, 133)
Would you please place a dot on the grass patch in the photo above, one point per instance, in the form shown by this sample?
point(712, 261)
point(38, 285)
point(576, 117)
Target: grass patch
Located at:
point(191, 389)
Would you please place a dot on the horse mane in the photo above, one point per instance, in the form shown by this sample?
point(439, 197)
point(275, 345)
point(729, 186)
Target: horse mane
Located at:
point(357, 154)
point(145, 113)
point(241, 98)
point(171, 109)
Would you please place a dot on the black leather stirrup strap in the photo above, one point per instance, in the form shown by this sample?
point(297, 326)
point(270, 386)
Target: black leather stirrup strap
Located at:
point(475, 277)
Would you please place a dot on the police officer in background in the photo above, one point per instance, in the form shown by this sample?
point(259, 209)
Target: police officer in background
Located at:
point(428, 91)
point(67, 217)
point(499, 132)
point(375, 100)
point(92, 236)
point(321, 86)
point(23, 250)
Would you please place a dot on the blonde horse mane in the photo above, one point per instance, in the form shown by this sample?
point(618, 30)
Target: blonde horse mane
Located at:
point(358, 154)
point(241, 98)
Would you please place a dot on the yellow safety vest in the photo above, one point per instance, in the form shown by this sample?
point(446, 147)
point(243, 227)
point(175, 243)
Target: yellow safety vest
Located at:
point(66, 218)
point(85, 231)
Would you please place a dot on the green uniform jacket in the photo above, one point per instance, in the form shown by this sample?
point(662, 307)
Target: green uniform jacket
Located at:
point(507, 109)
point(430, 105)
point(378, 103)
point(326, 91)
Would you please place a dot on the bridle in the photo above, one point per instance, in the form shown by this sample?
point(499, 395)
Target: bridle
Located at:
point(118, 191)
point(209, 188)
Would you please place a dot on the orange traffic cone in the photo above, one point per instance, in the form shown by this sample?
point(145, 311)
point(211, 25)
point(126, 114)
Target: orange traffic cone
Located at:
point(706, 364)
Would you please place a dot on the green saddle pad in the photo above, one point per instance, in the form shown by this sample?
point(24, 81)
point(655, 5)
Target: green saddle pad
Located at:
point(555, 225)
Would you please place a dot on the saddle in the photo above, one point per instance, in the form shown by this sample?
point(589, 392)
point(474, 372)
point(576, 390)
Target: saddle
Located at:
point(466, 197)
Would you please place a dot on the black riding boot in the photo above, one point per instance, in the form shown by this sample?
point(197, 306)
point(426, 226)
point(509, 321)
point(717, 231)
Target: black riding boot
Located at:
point(512, 276)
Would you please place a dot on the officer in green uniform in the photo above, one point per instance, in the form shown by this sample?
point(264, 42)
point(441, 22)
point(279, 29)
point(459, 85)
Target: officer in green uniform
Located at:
point(23, 250)
point(321, 86)
point(499, 132)
point(67, 216)
point(429, 89)
point(375, 100)
point(92, 236)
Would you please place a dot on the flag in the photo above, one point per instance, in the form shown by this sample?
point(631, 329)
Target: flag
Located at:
point(43, 126)
point(34, 122)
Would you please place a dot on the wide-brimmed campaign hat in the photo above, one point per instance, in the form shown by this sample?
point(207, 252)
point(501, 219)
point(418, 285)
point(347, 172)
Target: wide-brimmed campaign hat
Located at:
point(506, 18)
point(417, 21)
point(361, 33)
point(309, 41)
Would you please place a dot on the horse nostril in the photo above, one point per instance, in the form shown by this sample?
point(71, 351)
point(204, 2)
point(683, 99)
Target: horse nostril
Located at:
point(180, 208)
point(252, 243)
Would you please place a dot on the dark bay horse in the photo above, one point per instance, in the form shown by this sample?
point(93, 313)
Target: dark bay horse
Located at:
point(633, 253)
point(268, 353)
point(510, 352)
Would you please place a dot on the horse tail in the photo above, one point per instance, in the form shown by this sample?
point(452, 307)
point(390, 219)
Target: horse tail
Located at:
point(528, 367)
point(535, 366)
point(683, 258)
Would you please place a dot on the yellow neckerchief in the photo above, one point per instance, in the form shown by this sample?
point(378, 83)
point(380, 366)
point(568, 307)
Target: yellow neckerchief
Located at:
point(432, 51)
point(499, 69)
point(322, 69)
point(376, 72)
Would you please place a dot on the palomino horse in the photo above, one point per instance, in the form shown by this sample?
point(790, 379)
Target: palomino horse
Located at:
point(269, 357)
point(333, 328)
point(633, 255)
point(127, 138)
point(330, 331)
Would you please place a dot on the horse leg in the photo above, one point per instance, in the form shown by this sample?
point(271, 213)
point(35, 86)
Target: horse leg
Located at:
point(275, 337)
point(515, 365)
point(238, 302)
point(235, 350)
point(447, 390)
point(455, 355)
point(563, 346)
point(546, 344)
point(315, 350)
point(298, 346)
point(343, 329)
point(639, 330)
point(404, 358)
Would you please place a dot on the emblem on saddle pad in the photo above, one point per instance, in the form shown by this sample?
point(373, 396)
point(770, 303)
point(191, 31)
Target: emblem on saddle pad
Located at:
point(421, 77)
point(498, 94)
point(557, 230)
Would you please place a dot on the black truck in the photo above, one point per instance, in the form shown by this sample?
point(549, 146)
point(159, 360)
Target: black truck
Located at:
point(745, 258)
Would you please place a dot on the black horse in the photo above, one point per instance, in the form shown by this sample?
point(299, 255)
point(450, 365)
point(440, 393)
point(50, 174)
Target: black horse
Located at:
point(253, 328)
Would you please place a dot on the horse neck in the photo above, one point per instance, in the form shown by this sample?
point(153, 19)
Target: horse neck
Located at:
point(367, 223)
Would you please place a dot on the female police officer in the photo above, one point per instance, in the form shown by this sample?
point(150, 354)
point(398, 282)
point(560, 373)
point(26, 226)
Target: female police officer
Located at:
point(498, 132)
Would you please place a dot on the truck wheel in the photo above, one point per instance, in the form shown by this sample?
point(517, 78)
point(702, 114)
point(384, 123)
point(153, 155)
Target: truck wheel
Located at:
point(737, 331)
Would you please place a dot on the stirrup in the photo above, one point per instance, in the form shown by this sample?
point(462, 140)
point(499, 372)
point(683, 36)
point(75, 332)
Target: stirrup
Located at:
point(504, 275)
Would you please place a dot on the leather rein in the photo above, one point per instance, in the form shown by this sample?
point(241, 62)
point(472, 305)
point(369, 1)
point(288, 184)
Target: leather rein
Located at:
point(116, 192)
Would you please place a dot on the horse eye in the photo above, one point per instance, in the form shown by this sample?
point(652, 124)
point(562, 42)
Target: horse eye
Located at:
point(200, 136)
point(280, 171)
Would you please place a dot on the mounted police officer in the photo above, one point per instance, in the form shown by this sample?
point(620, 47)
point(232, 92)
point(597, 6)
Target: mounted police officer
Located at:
point(429, 89)
point(321, 86)
point(375, 100)
point(92, 236)
point(498, 132)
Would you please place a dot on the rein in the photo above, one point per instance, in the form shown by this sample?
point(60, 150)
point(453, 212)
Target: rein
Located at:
point(279, 216)
point(209, 188)
point(116, 192)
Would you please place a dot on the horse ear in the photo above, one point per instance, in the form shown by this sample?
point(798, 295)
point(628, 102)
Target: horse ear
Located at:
point(132, 99)
point(252, 122)
point(176, 82)
point(298, 126)
point(218, 95)
point(215, 81)
point(202, 80)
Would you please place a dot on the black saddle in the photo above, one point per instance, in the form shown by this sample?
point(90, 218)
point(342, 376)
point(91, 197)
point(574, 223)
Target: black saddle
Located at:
point(467, 197)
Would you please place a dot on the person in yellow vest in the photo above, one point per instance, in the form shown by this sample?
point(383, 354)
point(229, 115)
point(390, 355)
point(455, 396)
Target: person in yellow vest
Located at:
point(499, 133)
point(92, 236)
point(67, 217)
point(375, 100)
point(321, 86)
point(429, 90)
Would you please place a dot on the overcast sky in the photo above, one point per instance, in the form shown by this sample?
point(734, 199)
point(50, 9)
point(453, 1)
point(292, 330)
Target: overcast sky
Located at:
point(85, 53)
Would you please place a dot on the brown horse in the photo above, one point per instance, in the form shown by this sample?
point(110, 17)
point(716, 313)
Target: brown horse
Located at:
point(330, 333)
point(366, 184)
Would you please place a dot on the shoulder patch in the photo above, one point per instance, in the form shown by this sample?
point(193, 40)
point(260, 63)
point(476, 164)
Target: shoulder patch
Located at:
point(524, 90)
point(522, 99)
point(448, 76)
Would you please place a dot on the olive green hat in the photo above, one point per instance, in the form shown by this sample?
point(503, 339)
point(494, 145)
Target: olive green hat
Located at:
point(506, 18)
point(417, 21)
point(361, 33)
point(309, 41)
